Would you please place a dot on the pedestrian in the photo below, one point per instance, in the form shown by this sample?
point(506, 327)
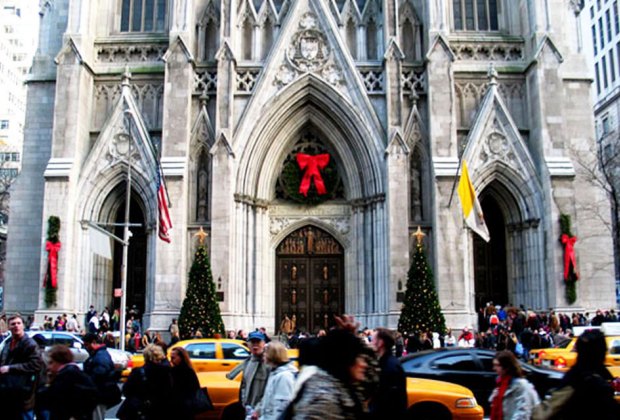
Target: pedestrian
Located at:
point(93, 324)
point(100, 368)
point(281, 382)
point(593, 395)
point(3, 326)
point(147, 338)
point(514, 397)
point(255, 373)
point(173, 328)
point(185, 383)
point(72, 324)
point(466, 339)
point(148, 389)
point(20, 365)
point(390, 398)
point(70, 393)
point(449, 339)
point(330, 392)
point(115, 319)
point(91, 312)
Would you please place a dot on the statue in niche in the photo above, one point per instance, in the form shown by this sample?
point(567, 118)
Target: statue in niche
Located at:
point(294, 272)
point(203, 193)
point(325, 272)
point(325, 297)
point(416, 191)
point(310, 241)
point(294, 297)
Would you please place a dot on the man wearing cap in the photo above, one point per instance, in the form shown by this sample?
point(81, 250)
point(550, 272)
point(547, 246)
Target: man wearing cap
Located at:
point(255, 373)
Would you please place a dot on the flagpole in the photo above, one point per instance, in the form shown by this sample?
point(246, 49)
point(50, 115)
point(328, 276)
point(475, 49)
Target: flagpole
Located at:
point(123, 322)
point(456, 176)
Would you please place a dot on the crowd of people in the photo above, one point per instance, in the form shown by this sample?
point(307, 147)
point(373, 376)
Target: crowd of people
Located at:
point(348, 373)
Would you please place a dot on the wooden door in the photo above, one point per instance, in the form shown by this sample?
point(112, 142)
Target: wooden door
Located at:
point(309, 280)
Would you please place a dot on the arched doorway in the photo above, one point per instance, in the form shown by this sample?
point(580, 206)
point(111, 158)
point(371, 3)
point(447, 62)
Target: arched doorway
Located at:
point(490, 271)
point(136, 257)
point(309, 279)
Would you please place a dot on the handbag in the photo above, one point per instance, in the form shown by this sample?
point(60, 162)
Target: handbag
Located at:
point(552, 406)
point(201, 401)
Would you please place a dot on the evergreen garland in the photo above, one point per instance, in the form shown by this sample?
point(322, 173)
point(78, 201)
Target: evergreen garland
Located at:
point(53, 235)
point(200, 309)
point(421, 310)
point(571, 282)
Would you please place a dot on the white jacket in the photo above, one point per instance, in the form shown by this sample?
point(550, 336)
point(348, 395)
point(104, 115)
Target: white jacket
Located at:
point(278, 392)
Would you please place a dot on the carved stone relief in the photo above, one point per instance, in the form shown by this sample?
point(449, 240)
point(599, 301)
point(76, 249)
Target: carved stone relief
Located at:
point(148, 96)
point(496, 147)
point(309, 52)
point(488, 51)
point(205, 81)
point(130, 53)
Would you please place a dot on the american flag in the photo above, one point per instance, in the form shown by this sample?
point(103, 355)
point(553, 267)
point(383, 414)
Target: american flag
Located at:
point(162, 205)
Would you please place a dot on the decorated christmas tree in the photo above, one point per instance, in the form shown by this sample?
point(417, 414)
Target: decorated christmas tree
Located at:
point(421, 310)
point(200, 310)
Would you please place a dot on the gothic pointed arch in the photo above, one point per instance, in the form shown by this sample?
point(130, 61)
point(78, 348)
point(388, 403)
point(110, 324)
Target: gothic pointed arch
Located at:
point(501, 167)
point(267, 22)
point(372, 20)
point(200, 165)
point(351, 18)
point(247, 21)
point(410, 31)
point(307, 100)
point(208, 31)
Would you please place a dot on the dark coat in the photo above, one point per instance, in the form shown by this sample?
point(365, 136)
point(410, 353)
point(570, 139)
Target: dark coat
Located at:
point(25, 364)
point(390, 398)
point(152, 384)
point(100, 367)
point(593, 397)
point(185, 385)
point(71, 394)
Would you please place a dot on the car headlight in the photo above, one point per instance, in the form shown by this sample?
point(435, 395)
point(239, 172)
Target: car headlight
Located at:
point(466, 403)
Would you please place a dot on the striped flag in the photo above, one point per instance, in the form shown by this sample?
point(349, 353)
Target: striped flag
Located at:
point(165, 224)
point(472, 211)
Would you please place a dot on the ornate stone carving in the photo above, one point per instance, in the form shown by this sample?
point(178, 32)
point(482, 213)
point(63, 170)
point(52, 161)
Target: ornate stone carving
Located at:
point(205, 81)
point(496, 147)
point(488, 51)
point(130, 53)
point(340, 224)
point(413, 79)
point(246, 80)
point(148, 95)
point(373, 81)
point(309, 52)
point(277, 224)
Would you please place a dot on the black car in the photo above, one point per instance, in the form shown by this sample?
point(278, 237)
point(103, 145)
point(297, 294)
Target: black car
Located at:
point(473, 369)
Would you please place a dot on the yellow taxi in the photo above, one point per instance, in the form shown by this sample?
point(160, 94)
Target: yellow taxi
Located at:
point(564, 359)
point(206, 354)
point(426, 398)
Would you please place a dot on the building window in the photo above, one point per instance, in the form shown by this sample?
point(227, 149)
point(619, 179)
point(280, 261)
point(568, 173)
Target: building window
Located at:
point(594, 39)
point(598, 79)
point(8, 172)
point(592, 12)
point(600, 32)
point(605, 126)
point(608, 18)
point(604, 68)
point(475, 15)
point(4, 124)
point(612, 66)
point(616, 21)
point(144, 15)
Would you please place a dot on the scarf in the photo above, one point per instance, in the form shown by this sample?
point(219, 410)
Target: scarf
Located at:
point(496, 406)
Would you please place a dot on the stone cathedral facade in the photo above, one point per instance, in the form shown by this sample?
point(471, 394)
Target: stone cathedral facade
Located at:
point(227, 93)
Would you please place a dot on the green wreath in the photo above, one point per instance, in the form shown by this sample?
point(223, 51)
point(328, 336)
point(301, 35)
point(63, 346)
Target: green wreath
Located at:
point(291, 178)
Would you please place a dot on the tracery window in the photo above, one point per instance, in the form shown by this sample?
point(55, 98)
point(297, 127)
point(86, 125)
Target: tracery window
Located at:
point(475, 15)
point(144, 15)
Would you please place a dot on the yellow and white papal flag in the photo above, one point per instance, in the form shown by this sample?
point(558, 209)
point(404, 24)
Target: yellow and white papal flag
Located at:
point(472, 211)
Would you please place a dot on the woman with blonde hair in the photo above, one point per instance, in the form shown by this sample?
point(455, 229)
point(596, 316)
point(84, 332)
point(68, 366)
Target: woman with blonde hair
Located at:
point(281, 382)
point(148, 388)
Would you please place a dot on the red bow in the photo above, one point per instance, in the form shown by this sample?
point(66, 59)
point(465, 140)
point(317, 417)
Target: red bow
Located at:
point(52, 258)
point(569, 255)
point(312, 164)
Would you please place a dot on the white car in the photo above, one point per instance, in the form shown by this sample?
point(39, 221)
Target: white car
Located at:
point(47, 339)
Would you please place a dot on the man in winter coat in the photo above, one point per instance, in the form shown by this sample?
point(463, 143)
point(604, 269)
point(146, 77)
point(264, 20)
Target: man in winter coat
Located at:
point(100, 368)
point(390, 398)
point(255, 372)
point(20, 364)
